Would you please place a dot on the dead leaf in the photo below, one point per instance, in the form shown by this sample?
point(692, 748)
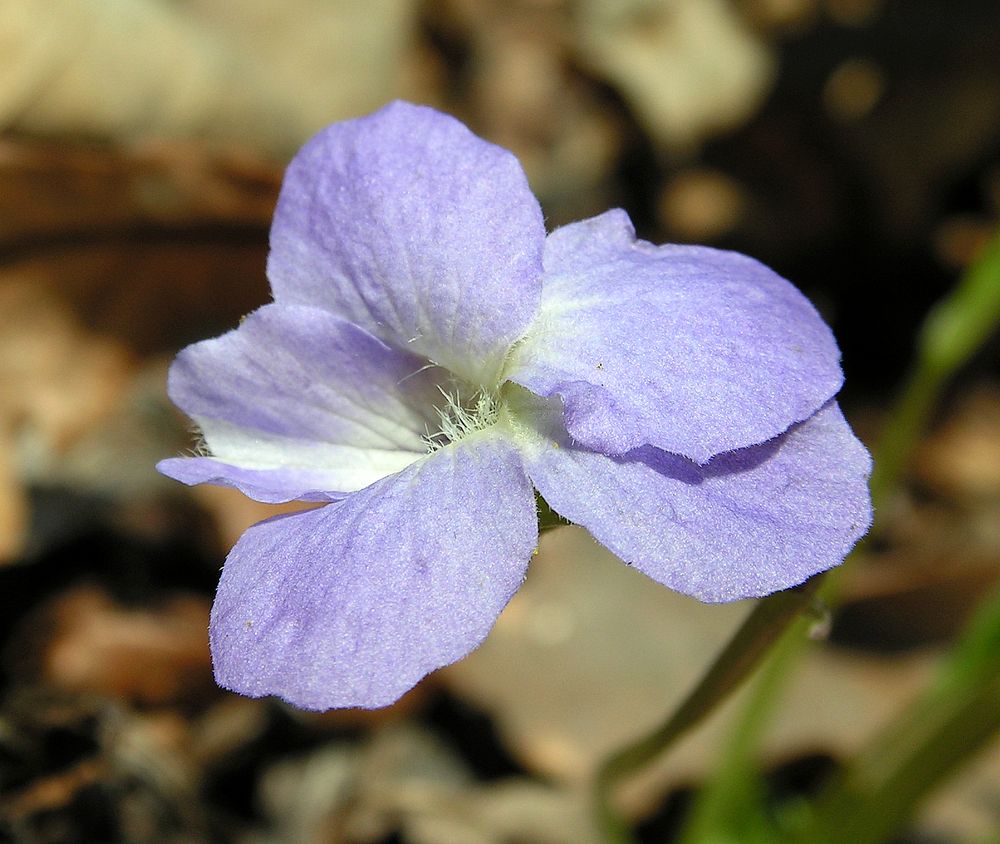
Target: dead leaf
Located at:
point(591, 654)
point(248, 74)
point(79, 768)
point(522, 89)
point(57, 382)
point(689, 68)
point(406, 782)
point(961, 459)
point(108, 257)
point(83, 641)
point(966, 808)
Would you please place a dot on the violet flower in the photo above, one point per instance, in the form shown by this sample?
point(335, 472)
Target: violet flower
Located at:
point(431, 358)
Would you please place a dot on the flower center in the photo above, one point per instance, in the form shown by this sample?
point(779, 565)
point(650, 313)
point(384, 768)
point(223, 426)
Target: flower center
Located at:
point(459, 416)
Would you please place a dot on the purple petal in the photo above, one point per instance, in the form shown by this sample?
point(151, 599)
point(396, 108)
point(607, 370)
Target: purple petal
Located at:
point(297, 402)
point(351, 604)
point(407, 224)
point(748, 523)
point(271, 486)
point(692, 350)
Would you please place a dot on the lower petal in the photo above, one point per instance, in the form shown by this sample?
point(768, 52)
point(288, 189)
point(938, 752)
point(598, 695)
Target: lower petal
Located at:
point(351, 604)
point(748, 523)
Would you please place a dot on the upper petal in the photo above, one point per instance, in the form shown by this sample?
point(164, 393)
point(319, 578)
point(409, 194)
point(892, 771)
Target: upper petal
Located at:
point(407, 224)
point(748, 523)
point(693, 350)
point(299, 403)
point(351, 604)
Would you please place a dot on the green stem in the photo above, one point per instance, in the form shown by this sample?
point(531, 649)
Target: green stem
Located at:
point(877, 791)
point(953, 331)
point(908, 421)
point(762, 628)
point(729, 809)
point(875, 795)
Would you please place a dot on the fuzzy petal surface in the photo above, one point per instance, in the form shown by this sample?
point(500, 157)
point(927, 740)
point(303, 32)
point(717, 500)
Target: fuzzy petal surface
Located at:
point(297, 402)
point(693, 350)
point(410, 226)
point(352, 603)
point(748, 523)
point(271, 486)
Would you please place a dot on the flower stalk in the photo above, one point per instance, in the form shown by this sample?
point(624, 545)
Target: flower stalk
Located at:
point(952, 332)
point(878, 790)
point(752, 642)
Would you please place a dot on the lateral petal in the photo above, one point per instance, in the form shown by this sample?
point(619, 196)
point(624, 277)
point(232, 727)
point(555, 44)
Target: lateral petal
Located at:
point(297, 402)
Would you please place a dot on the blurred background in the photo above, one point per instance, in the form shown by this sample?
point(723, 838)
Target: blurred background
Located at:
point(853, 145)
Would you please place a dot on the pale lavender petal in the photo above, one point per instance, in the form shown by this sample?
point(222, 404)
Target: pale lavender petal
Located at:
point(351, 604)
point(693, 350)
point(271, 486)
point(407, 224)
point(748, 523)
point(297, 397)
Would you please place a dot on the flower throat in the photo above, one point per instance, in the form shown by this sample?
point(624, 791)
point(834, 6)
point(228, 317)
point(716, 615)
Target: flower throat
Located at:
point(457, 418)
